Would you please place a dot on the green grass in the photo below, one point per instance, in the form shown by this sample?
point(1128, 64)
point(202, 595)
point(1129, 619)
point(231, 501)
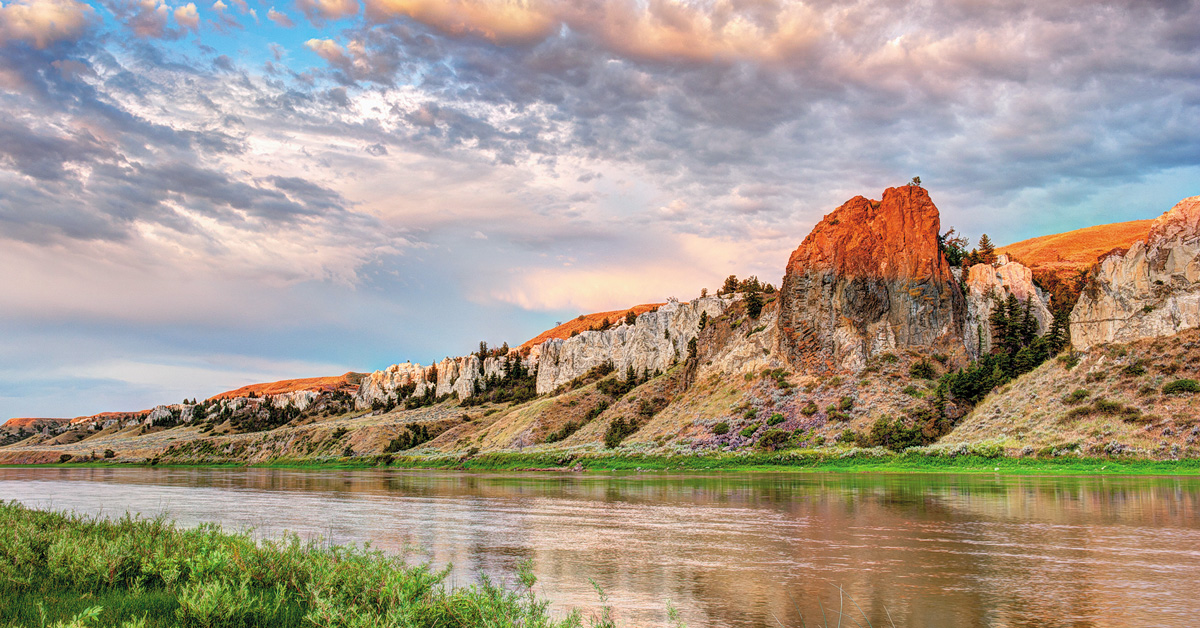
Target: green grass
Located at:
point(66, 570)
point(791, 460)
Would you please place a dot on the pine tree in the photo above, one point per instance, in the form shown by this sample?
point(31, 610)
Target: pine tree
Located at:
point(987, 250)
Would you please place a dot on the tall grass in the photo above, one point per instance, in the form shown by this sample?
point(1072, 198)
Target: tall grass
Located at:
point(63, 570)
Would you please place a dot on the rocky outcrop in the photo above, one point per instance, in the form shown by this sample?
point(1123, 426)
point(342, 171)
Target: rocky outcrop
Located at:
point(461, 376)
point(1151, 290)
point(988, 286)
point(654, 342)
point(870, 278)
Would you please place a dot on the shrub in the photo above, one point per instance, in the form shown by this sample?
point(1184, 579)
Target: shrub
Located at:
point(846, 403)
point(921, 370)
point(1181, 386)
point(751, 413)
point(1069, 360)
point(748, 431)
point(912, 391)
point(774, 439)
point(64, 458)
point(1136, 369)
point(809, 409)
point(108, 453)
point(838, 415)
point(618, 430)
point(720, 428)
point(1076, 396)
point(775, 419)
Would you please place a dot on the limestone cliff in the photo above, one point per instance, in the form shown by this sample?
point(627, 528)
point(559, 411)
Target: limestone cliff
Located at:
point(988, 286)
point(870, 278)
point(655, 341)
point(1151, 290)
point(450, 376)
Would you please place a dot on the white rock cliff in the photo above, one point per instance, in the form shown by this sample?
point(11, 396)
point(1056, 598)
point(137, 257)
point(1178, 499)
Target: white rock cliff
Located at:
point(1151, 290)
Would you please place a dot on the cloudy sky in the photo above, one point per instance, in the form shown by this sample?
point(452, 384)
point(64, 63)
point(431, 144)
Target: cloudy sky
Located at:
point(195, 195)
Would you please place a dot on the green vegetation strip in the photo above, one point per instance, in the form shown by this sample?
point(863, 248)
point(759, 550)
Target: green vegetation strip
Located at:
point(66, 570)
point(857, 461)
point(816, 462)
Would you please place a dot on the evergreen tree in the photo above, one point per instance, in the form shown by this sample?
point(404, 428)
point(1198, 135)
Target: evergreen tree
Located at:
point(754, 304)
point(987, 250)
point(730, 286)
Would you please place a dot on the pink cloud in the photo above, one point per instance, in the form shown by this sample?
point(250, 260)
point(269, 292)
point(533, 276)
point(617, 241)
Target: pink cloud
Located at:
point(280, 19)
point(319, 11)
point(44, 22)
point(187, 16)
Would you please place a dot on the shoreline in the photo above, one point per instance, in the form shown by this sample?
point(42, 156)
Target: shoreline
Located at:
point(744, 463)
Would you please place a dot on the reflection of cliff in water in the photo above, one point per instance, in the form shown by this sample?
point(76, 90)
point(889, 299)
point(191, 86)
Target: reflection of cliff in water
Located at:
point(729, 549)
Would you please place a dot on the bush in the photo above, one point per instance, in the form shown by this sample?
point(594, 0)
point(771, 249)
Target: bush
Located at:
point(751, 413)
point(775, 419)
point(1181, 386)
point(846, 403)
point(1136, 369)
point(618, 431)
point(108, 453)
point(1076, 396)
point(774, 439)
point(809, 409)
point(748, 431)
point(720, 428)
point(921, 370)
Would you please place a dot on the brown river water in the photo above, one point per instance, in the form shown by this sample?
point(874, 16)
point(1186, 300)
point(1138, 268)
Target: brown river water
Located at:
point(734, 549)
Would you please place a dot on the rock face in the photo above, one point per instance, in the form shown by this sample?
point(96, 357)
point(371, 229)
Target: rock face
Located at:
point(451, 375)
point(1151, 290)
point(655, 341)
point(870, 278)
point(988, 286)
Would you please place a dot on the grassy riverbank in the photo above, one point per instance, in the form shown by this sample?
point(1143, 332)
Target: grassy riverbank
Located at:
point(768, 462)
point(66, 570)
point(800, 461)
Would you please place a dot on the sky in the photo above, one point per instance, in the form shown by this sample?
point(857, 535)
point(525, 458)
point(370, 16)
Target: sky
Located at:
point(198, 196)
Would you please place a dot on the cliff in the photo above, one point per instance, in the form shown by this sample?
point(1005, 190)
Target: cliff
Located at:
point(653, 343)
point(988, 286)
point(586, 322)
point(1151, 290)
point(870, 278)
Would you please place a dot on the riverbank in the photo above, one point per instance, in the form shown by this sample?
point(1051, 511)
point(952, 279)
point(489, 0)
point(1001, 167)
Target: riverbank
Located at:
point(766, 462)
point(73, 571)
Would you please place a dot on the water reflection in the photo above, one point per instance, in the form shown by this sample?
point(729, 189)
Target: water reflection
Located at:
point(731, 549)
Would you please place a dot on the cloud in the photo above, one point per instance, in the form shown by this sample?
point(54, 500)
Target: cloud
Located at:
point(42, 23)
point(280, 19)
point(188, 17)
point(148, 19)
point(320, 11)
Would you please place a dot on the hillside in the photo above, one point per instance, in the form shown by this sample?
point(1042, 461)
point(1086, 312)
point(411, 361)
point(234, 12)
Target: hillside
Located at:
point(585, 322)
point(349, 380)
point(1068, 253)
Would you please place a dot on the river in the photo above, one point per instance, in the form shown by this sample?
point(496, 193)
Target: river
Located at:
point(732, 549)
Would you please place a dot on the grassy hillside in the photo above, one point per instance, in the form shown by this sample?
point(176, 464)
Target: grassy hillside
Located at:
point(585, 322)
